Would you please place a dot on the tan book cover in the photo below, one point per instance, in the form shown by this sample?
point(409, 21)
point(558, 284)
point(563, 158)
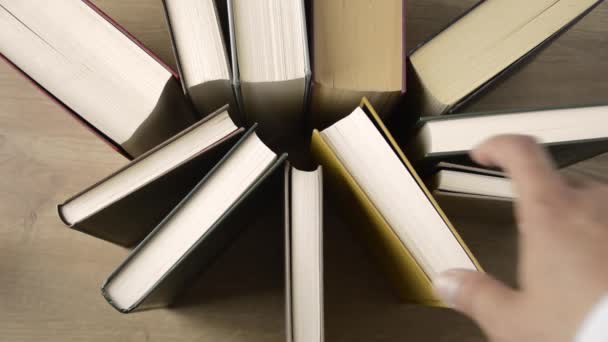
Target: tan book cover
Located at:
point(411, 282)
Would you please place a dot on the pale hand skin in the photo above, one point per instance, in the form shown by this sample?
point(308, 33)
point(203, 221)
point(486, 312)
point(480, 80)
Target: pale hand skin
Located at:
point(563, 256)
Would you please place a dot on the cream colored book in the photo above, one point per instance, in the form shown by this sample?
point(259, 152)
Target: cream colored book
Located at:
point(271, 64)
point(200, 48)
point(488, 40)
point(196, 231)
point(471, 181)
point(125, 206)
point(570, 134)
point(304, 255)
point(377, 187)
point(92, 67)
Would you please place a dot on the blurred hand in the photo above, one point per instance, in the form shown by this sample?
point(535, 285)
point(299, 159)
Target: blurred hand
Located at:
point(563, 257)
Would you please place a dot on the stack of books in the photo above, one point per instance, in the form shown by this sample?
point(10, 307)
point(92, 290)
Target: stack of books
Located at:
point(260, 81)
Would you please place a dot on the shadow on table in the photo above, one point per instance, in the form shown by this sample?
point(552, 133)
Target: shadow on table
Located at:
point(243, 292)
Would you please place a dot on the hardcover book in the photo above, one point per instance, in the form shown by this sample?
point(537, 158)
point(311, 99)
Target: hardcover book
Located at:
point(197, 230)
point(358, 50)
point(201, 51)
point(481, 46)
point(96, 70)
point(465, 181)
point(570, 134)
point(125, 206)
point(387, 201)
point(304, 255)
point(270, 64)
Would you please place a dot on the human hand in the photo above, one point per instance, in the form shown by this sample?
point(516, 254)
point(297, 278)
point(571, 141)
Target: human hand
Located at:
point(562, 271)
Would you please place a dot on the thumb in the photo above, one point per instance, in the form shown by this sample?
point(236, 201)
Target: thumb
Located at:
point(479, 296)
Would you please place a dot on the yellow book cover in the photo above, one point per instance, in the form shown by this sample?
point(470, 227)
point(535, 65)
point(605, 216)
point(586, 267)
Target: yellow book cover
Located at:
point(411, 282)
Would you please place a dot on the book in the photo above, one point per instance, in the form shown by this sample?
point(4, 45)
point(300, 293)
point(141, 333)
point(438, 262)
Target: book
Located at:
point(270, 63)
point(467, 192)
point(196, 231)
point(481, 46)
point(571, 134)
point(304, 255)
point(358, 50)
point(94, 69)
point(406, 229)
point(466, 180)
point(201, 52)
point(125, 206)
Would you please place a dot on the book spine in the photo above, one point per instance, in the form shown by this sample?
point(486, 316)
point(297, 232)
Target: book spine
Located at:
point(520, 61)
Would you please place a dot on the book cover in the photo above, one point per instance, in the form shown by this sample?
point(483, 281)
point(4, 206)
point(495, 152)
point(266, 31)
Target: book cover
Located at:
point(329, 103)
point(415, 93)
point(128, 220)
point(410, 280)
point(209, 246)
point(564, 153)
point(116, 146)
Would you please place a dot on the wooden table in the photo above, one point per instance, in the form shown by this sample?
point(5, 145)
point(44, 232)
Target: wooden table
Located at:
point(50, 275)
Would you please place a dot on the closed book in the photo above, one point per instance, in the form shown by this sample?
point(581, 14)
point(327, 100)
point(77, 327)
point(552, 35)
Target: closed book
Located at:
point(394, 245)
point(201, 49)
point(304, 308)
point(271, 65)
point(481, 46)
point(468, 180)
point(97, 71)
point(125, 206)
point(471, 192)
point(358, 50)
point(570, 134)
point(188, 240)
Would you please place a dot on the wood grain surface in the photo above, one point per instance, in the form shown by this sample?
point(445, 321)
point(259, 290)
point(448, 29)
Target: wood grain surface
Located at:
point(50, 276)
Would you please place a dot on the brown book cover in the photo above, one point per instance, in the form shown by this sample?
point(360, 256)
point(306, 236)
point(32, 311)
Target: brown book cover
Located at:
point(329, 104)
point(408, 277)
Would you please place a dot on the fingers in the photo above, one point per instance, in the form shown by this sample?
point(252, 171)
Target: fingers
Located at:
point(525, 162)
point(479, 296)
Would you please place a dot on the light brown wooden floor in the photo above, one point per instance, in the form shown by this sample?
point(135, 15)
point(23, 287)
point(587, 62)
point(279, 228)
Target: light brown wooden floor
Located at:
point(50, 276)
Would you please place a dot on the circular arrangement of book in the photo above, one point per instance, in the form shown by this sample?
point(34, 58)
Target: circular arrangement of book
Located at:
point(214, 140)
